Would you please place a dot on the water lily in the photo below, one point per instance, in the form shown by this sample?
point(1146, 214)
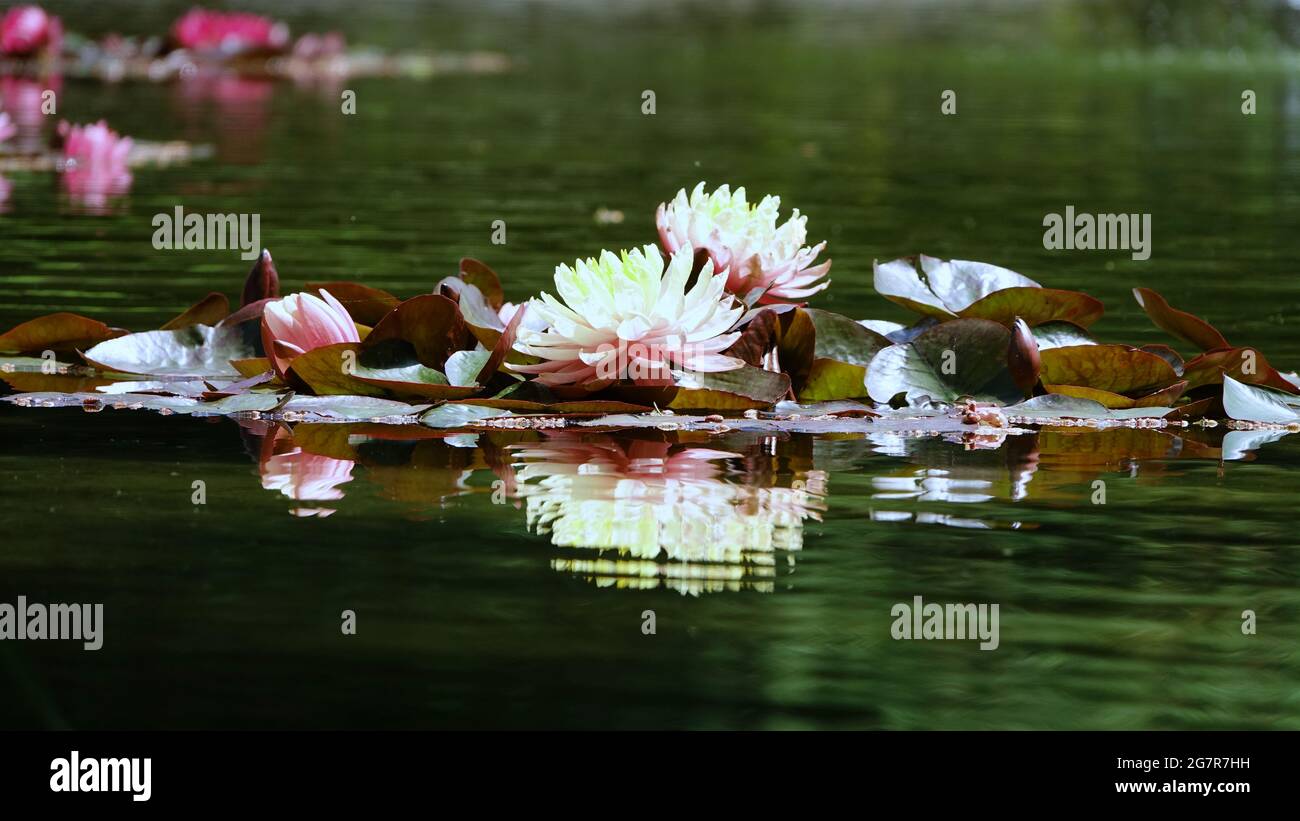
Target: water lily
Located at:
point(94, 163)
point(229, 32)
point(28, 30)
point(301, 322)
point(745, 242)
point(627, 317)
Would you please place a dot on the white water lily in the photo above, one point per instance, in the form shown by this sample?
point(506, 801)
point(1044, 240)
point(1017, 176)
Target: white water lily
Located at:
point(627, 317)
point(745, 242)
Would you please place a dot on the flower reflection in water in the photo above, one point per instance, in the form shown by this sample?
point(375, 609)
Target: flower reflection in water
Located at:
point(670, 514)
point(302, 476)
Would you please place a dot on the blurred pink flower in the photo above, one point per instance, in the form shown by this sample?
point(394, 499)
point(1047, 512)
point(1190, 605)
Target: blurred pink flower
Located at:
point(94, 163)
point(301, 322)
point(306, 477)
point(745, 242)
point(319, 46)
point(229, 32)
point(7, 127)
point(28, 30)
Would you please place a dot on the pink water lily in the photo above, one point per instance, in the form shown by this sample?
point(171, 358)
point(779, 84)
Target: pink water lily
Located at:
point(302, 322)
point(745, 242)
point(28, 30)
point(7, 127)
point(94, 163)
point(229, 32)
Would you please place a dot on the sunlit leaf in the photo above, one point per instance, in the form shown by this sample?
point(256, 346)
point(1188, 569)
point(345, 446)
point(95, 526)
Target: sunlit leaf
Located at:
point(1113, 368)
point(1060, 335)
point(199, 350)
point(482, 277)
point(1251, 403)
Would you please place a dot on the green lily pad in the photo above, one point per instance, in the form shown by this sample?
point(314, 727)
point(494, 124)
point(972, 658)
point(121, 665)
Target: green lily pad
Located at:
point(199, 351)
point(463, 367)
point(458, 415)
point(962, 357)
point(1165, 397)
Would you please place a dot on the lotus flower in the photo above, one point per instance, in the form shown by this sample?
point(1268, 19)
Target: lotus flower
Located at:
point(94, 163)
point(7, 127)
point(229, 32)
point(628, 317)
point(301, 322)
point(744, 241)
point(28, 30)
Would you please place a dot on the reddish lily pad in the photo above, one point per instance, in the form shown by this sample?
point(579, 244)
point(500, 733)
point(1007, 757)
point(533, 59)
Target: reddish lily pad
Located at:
point(207, 311)
point(1165, 397)
point(1243, 364)
point(1181, 324)
point(432, 323)
point(1113, 368)
point(364, 304)
point(483, 278)
point(56, 332)
point(945, 289)
point(1036, 306)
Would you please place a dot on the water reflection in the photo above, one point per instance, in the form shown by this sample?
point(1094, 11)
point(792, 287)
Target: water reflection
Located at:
point(661, 510)
point(657, 513)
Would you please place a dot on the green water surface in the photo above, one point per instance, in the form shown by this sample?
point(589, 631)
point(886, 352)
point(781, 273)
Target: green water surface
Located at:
point(771, 572)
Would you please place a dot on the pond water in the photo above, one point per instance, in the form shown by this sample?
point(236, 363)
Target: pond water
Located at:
point(504, 580)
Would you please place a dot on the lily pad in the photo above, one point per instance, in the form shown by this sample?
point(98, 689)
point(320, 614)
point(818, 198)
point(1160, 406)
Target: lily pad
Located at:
point(56, 332)
point(745, 388)
point(199, 351)
point(458, 415)
point(207, 311)
point(482, 277)
point(364, 304)
point(1112, 368)
point(1181, 324)
point(1060, 335)
point(978, 290)
point(464, 366)
point(1059, 406)
point(430, 322)
point(1243, 364)
point(1165, 397)
point(963, 357)
point(1251, 403)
